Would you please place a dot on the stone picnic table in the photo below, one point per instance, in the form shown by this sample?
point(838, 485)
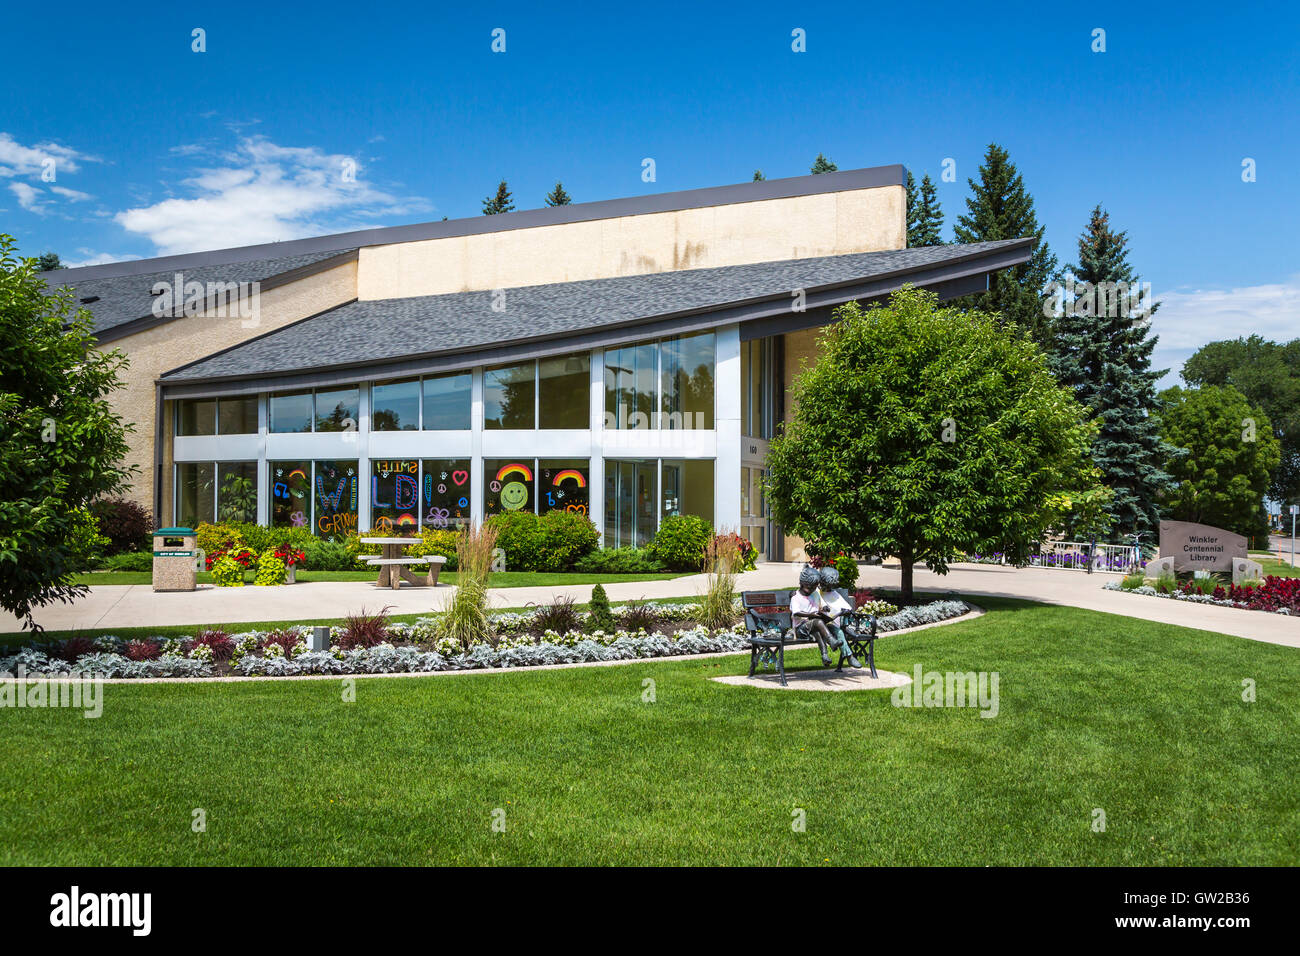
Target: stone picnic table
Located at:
point(394, 564)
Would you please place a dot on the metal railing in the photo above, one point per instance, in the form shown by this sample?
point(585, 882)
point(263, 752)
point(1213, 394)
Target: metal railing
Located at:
point(1080, 556)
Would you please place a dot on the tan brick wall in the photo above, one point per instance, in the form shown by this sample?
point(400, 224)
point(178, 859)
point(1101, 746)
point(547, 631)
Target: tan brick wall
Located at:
point(164, 347)
point(860, 220)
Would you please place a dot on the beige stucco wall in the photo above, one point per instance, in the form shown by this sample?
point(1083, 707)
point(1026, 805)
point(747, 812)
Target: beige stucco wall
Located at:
point(164, 347)
point(860, 220)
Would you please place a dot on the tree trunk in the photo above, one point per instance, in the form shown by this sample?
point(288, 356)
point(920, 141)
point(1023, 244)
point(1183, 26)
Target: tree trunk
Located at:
point(905, 555)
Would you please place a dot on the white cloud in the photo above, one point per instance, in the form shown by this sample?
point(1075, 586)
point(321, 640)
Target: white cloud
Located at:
point(91, 258)
point(19, 160)
point(28, 197)
point(262, 192)
point(1187, 320)
point(73, 195)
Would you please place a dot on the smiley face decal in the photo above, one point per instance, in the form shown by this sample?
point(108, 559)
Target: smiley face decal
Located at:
point(514, 495)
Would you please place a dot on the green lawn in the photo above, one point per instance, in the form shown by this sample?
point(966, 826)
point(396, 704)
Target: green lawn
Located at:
point(500, 579)
point(1144, 721)
point(1278, 568)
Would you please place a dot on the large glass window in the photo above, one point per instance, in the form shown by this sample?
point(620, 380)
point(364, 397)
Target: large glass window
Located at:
point(291, 494)
point(395, 406)
point(446, 492)
point(562, 485)
point(338, 409)
point(688, 488)
point(237, 416)
point(630, 509)
point(395, 495)
point(687, 367)
point(509, 396)
point(630, 374)
point(196, 416)
point(507, 485)
point(236, 490)
point(335, 500)
point(755, 388)
point(291, 412)
point(194, 493)
point(564, 391)
point(447, 402)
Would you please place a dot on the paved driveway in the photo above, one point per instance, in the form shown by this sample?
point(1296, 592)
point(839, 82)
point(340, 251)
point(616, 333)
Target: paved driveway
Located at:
point(120, 606)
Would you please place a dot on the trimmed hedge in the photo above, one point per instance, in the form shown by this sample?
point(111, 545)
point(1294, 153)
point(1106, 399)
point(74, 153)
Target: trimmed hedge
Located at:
point(680, 542)
point(555, 541)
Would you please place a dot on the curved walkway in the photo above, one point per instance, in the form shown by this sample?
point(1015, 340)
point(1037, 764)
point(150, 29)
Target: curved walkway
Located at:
point(119, 606)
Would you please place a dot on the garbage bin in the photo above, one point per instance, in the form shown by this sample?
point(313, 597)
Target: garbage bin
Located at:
point(176, 559)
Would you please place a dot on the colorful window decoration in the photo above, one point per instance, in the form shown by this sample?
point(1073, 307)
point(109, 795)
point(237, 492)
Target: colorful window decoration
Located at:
point(335, 498)
point(562, 485)
point(445, 493)
point(290, 494)
point(509, 486)
point(395, 495)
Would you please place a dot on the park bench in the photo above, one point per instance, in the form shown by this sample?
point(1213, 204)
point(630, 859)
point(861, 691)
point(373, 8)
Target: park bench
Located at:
point(392, 571)
point(769, 629)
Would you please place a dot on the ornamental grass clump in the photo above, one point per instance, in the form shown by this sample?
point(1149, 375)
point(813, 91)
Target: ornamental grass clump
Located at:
point(722, 557)
point(364, 630)
point(466, 619)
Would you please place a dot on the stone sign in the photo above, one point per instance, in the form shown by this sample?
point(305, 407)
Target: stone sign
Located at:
point(1199, 547)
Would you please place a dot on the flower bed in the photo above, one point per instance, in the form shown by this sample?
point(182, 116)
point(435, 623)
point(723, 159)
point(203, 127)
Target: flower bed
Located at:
point(1278, 595)
point(407, 648)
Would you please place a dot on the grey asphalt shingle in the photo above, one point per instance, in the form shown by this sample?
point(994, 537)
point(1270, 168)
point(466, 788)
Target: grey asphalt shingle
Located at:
point(391, 329)
point(127, 298)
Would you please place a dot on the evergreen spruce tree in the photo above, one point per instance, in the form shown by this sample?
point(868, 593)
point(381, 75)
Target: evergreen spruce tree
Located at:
point(558, 197)
point(48, 262)
point(1001, 208)
point(924, 214)
point(501, 202)
point(758, 176)
point(823, 165)
point(1103, 352)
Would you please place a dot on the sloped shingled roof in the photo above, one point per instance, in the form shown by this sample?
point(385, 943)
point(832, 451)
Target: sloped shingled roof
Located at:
point(124, 299)
point(381, 330)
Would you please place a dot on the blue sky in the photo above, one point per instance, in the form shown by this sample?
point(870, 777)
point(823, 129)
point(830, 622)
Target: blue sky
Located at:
point(160, 149)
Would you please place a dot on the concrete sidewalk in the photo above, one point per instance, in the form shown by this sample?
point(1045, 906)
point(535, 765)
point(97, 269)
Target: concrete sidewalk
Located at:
point(109, 607)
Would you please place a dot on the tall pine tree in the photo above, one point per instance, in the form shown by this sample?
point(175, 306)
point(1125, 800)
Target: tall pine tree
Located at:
point(558, 197)
point(501, 202)
point(823, 165)
point(924, 214)
point(1001, 208)
point(1103, 353)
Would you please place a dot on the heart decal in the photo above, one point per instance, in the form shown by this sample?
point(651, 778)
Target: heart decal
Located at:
point(460, 477)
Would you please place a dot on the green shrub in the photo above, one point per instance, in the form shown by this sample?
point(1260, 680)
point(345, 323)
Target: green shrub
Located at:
point(618, 561)
point(217, 537)
point(680, 542)
point(437, 541)
point(566, 538)
point(329, 556)
point(228, 573)
point(602, 618)
point(1166, 583)
point(1134, 580)
point(129, 561)
point(848, 569)
point(552, 542)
